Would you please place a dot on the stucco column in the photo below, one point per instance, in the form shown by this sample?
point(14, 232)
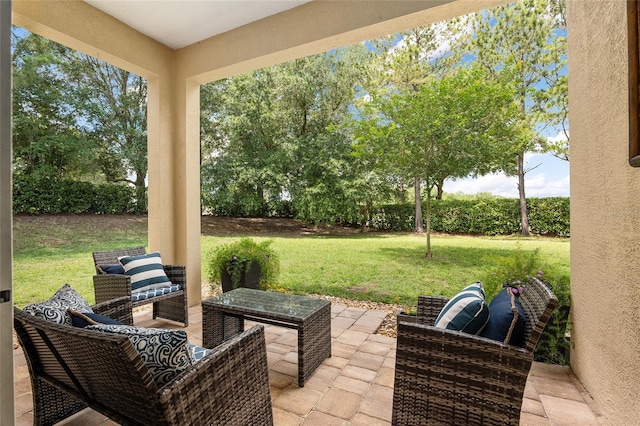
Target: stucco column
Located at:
point(173, 122)
point(186, 177)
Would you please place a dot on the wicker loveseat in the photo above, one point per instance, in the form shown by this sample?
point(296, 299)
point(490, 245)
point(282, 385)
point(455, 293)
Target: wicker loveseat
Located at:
point(172, 306)
point(451, 377)
point(73, 368)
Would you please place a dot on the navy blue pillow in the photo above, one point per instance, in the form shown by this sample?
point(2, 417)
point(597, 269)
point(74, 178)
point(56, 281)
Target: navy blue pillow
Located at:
point(83, 319)
point(501, 317)
point(113, 269)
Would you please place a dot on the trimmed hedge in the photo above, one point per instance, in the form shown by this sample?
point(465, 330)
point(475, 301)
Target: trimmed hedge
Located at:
point(46, 196)
point(493, 216)
point(485, 216)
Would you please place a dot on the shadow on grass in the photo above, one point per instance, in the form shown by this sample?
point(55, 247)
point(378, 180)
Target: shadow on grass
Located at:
point(446, 255)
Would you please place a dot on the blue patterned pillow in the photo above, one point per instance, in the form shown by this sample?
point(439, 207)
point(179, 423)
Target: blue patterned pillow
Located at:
point(146, 271)
point(467, 311)
point(55, 309)
point(165, 353)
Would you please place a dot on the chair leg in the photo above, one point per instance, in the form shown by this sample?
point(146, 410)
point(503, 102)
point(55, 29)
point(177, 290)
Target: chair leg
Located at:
point(50, 405)
point(174, 309)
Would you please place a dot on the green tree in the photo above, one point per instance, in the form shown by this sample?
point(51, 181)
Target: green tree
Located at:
point(274, 136)
point(116, 111)
point(77, 117)
point(48, 139)
point(524, 43)
point(243, 131)
point(404, 62)
point(455, 126)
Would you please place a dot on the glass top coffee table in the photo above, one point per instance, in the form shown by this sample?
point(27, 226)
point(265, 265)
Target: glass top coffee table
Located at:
point(223, 316)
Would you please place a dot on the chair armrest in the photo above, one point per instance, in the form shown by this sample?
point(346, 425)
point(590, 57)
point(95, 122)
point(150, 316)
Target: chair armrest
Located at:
point(111, 286)
point(428, 309)
point(177, 274)
point(230, 385)
point(120, 309)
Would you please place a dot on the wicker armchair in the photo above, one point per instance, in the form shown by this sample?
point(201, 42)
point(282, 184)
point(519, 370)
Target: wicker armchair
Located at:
point(73, 368)
point(172, 306)
point(450, 377)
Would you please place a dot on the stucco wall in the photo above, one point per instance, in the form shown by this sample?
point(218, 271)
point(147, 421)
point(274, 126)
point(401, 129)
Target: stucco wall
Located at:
point(605, 211)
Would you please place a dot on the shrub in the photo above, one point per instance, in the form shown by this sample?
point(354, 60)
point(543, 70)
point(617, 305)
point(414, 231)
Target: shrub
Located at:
point(33, 195)
point(482, 215)
point(237, 257)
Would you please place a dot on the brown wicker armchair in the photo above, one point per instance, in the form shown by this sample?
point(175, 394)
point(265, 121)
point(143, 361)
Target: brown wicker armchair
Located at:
point(172, 306)
point(73, 368)
point(451, 377)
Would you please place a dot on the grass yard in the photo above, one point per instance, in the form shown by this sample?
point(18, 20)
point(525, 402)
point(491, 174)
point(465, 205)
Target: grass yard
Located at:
point(52, 250)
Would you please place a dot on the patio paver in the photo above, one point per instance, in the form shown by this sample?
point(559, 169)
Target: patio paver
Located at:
point(352, 387)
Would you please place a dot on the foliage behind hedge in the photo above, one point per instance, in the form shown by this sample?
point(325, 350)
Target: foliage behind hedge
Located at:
point(490, 216)
point(47, 196)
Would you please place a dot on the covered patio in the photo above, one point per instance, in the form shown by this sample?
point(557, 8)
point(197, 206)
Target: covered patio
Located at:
point(355, 385)
point(605, 225)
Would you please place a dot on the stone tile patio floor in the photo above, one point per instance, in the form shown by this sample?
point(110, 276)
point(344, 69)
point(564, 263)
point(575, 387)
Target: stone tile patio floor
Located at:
point(355, 385)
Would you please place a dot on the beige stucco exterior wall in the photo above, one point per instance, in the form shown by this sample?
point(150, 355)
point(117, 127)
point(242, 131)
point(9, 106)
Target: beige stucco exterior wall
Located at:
point(605, 211)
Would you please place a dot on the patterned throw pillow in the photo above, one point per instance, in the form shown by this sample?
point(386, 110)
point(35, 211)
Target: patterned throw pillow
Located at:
point(467, 311)
point(146, 271)
point(55, 309)
point(165, 353)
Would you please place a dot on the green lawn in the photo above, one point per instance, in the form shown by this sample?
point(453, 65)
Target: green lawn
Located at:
point(381, 267)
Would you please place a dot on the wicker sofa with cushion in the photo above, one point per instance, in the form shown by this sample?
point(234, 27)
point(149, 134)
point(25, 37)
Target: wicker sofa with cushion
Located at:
point(73, 368)
point(452, 377)
point(110, 281)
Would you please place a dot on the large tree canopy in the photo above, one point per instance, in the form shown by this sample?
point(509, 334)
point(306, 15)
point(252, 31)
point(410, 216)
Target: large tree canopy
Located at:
point(456, 126)
point(272, 139)
point(76, 117)
point(524, 44)
point(48, 135)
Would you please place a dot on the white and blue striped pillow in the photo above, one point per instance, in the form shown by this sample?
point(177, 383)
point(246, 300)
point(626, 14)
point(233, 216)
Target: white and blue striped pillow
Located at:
point(146, 271)
point(467, 311)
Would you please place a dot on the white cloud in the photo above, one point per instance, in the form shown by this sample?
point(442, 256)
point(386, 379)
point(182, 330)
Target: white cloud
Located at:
point(540, 185)
point(537, 185)
point(557, 138)
point(497, 184)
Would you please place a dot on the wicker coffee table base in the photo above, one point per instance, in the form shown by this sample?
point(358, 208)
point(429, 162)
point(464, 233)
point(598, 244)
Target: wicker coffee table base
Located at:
point(221, 321)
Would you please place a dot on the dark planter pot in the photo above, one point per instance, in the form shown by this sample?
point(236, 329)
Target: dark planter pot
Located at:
point(402, 316)
point(248, 279)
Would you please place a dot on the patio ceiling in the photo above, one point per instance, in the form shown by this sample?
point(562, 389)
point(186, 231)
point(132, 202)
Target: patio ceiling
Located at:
point(179, 23)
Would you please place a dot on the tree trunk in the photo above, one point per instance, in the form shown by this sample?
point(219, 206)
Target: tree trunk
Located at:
point(440, 186)
point(428, 220)
point(418, 223)
point(365, 218)
point(524, 221)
